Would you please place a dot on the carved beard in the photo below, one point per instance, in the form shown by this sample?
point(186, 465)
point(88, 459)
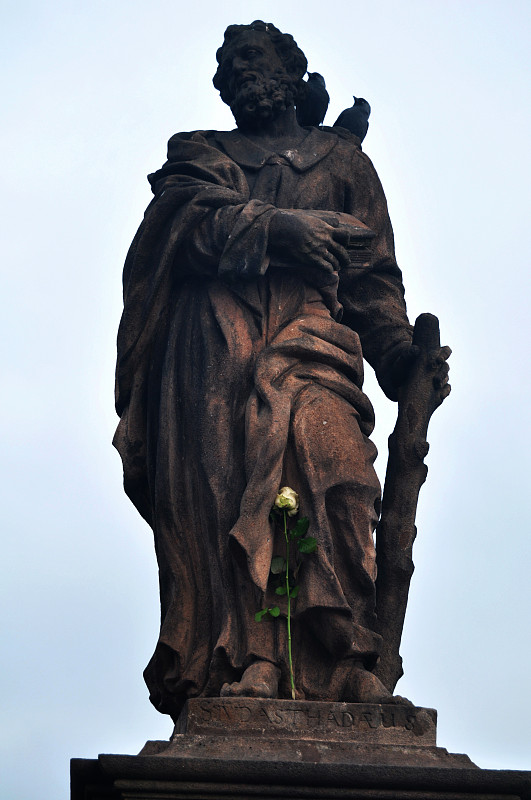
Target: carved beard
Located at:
point(258, 101)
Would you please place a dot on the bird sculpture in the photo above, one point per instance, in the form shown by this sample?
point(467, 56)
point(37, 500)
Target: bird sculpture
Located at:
point(356, 118)
point(313, 102)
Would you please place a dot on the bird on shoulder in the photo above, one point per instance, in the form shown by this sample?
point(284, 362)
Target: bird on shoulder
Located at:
point(356, 118)
point(312, 103)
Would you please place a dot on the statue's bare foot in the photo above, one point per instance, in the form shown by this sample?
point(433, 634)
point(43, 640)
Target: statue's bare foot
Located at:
point(365, 687)
point(259, 680)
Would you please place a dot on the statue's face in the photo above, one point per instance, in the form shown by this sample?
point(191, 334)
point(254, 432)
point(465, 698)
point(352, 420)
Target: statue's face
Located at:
point(253, 56)
point(259, 87)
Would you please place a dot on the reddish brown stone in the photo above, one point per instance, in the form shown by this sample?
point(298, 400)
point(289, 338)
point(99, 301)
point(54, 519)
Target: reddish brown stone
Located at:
point(261, 277)
point(292, 719)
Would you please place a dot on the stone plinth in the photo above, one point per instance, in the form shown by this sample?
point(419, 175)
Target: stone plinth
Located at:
point(249, 748)
point(301, 731)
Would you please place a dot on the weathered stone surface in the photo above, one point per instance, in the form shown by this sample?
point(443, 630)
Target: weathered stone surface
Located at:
point(262, 276)
point(150, 777)
point(353, 722)
point(286, 751)
point(287, 732)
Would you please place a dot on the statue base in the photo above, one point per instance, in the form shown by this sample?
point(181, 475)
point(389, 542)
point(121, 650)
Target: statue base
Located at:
point(246, 747)
point(306, 731)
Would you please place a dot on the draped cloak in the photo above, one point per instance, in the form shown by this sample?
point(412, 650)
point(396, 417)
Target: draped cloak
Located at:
point(237, 375)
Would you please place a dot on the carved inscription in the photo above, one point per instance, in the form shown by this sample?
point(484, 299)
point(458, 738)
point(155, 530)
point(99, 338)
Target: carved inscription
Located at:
point(312, 716)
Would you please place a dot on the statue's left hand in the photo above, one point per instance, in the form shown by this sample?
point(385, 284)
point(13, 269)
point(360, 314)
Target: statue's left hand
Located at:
point(403, 361)
point(439, 364)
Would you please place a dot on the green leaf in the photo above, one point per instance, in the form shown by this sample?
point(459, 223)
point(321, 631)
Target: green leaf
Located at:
point(260, 615)
point(278, 565)
point(295, 591)
point(281, 590)
point(275, 611)
point(308, 545)
point(301, 528)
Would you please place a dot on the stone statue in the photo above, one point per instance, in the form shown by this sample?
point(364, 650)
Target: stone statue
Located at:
point(262, 275)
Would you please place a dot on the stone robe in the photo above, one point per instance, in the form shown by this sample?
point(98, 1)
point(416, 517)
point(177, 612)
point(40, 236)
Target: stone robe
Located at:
point(238, 374)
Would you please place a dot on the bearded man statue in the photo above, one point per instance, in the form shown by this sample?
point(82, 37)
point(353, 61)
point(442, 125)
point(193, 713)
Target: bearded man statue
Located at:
point(240, 368)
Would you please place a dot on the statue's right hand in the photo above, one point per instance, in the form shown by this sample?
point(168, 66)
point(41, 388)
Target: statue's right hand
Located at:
point(300, 237)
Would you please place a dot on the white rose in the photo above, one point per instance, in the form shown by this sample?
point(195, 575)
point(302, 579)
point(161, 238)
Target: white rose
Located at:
point(287, 500)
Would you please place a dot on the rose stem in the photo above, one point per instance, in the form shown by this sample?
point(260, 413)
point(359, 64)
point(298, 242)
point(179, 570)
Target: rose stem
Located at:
point(286, 537)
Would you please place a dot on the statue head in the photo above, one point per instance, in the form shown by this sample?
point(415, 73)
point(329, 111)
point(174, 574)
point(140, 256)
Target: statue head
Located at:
point(259, 73)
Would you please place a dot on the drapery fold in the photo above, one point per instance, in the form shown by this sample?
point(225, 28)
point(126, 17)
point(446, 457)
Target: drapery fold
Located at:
point(235, 375)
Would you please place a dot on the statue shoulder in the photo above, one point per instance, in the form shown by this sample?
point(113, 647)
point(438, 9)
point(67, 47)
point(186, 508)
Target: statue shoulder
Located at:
point(348, 150)
point(188, 142)
point(349, 147)
point(197, 154)
point(343, 134)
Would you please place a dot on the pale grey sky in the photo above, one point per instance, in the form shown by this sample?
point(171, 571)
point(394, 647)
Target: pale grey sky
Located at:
point(91, 93)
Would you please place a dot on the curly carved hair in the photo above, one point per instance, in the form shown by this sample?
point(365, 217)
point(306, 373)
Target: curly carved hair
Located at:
point(292, 56)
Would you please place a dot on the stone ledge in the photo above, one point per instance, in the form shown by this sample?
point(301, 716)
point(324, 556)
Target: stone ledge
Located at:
point(153, 777)
point(285, 751)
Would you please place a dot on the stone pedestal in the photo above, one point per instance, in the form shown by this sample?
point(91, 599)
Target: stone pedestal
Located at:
point(250, 748)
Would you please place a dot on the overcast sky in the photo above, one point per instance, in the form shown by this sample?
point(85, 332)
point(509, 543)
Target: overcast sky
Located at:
point(91, 93)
